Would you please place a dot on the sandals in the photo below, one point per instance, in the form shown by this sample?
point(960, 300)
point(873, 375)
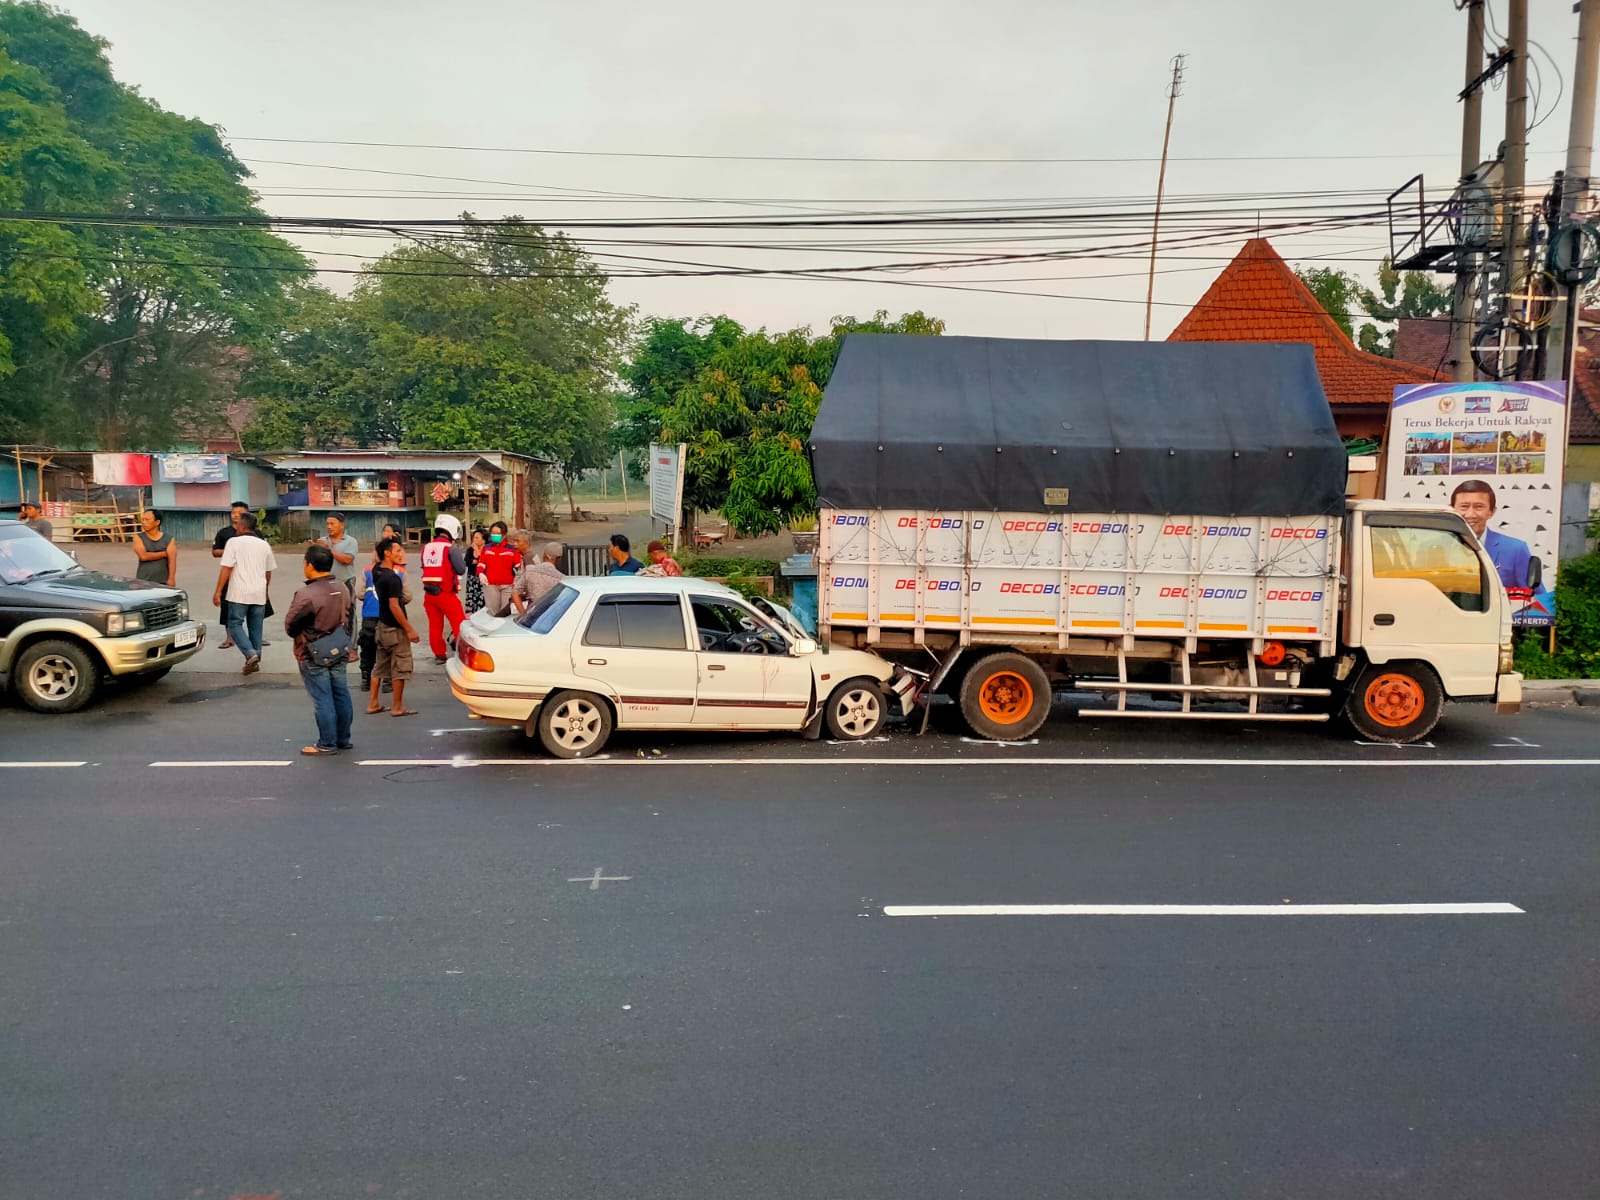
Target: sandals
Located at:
point(405, 712)
point(314, 750)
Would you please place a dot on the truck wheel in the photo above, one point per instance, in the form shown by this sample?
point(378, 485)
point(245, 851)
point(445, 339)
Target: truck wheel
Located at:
point(55, 676)
point(1005, 697)
point(856, 710)
point(574, 724)
point(1395, 702)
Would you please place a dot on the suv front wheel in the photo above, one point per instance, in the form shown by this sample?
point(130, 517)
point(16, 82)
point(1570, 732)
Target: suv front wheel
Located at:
point(55, 676)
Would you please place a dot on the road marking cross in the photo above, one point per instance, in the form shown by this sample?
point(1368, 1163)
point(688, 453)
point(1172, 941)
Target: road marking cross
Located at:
point(594, 881)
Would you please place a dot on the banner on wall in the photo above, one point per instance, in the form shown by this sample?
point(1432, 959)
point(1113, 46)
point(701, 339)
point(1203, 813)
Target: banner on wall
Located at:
point(192, 468)
point(1494, 452)
point(122, 470)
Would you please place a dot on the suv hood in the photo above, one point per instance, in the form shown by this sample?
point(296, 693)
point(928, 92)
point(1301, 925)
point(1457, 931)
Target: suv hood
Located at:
point(79, 588)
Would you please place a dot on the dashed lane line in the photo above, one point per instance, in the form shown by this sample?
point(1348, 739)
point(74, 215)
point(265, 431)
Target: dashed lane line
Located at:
point(223, 762)
point(42, 766)
point(1494, 908)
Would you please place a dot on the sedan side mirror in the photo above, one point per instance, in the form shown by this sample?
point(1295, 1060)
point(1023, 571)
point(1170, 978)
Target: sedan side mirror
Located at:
point(801, 647)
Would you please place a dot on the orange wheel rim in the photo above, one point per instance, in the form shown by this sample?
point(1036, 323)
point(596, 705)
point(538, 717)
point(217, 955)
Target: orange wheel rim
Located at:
point(1394, 700)
point(1005, 697)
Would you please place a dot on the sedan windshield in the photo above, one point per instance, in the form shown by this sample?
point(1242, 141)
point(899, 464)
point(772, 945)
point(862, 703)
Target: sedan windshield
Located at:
point(25, 555)
point(547, 611)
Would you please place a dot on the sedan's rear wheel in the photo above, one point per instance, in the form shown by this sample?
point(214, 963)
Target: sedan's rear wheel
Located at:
point(856, 710)
point(574, 724)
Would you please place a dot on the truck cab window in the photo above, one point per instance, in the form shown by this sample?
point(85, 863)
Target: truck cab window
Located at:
point(1437, 556)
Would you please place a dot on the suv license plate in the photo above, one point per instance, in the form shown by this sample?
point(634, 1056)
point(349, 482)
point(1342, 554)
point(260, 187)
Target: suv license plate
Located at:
point(185, 637)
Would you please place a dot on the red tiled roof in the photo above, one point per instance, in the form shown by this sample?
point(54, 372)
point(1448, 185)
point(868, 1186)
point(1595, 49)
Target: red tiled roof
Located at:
point(1257, 298)
point(1421, 341)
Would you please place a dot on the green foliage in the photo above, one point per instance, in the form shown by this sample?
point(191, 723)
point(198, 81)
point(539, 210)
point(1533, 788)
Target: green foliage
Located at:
point(706, 566)
point(502, 338)
point(117, 335)
point(670, 355)
point(1348, 301)
point(746, 415)
point(1577, 654)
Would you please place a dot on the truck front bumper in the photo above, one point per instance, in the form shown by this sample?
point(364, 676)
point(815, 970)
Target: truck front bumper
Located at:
point(1508, 693)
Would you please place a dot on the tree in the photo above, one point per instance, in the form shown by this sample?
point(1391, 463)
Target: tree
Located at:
point(1368, 317)
point(500, 337)
point(670, 354)
point(130, 330)
point(747, 413)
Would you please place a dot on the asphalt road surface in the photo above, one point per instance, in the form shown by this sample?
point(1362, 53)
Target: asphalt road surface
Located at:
point(445, 965)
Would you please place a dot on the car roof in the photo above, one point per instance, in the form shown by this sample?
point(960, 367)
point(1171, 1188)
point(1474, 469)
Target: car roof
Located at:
point(651, 583)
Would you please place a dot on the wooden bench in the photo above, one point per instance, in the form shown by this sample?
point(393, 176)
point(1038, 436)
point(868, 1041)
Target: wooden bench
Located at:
point(416, 534)
point(710, 535)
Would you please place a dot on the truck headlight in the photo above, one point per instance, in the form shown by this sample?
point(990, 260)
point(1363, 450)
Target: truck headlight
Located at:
point(183, 609)
point(119, 623)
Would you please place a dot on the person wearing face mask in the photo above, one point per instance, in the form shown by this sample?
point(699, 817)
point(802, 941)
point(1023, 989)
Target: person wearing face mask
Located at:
point(497, 568)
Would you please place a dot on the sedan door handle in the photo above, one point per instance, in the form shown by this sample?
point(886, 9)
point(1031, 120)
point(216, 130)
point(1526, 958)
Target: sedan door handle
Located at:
point(716, 667)
point(1383, 619)
point(597, 662)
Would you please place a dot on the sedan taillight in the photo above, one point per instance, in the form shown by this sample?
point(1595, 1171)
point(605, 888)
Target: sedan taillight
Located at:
point(474, 659)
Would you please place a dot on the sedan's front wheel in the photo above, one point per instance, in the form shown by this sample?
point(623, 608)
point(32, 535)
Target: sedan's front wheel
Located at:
point(574, 724)
point(856, 710)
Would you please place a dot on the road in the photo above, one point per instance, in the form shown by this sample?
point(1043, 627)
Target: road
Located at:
point(445, 966)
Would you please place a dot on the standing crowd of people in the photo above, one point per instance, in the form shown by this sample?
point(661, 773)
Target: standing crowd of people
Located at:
point(346, 613)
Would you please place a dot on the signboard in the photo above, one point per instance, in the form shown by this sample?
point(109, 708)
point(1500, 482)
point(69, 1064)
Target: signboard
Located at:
point(1493, 452)
point(666, 485)
point(192, 468)
point(122, 470)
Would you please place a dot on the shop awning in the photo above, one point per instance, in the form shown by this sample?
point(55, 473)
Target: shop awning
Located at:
point(364, 464)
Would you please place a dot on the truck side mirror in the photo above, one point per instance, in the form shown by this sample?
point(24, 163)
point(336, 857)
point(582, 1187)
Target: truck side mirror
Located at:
point(1535, 572)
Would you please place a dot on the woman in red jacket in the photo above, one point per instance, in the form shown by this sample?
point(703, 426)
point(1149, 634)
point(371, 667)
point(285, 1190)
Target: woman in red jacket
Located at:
point(497, 568)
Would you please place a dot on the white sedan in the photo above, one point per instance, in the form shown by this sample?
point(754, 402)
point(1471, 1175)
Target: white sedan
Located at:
point(624, 652)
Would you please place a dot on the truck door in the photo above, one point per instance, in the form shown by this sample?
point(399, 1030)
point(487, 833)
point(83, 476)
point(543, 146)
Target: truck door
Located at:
point(1428, 593)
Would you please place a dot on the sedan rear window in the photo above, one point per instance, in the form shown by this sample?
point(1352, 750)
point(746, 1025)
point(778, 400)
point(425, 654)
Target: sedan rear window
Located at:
point(546, 612)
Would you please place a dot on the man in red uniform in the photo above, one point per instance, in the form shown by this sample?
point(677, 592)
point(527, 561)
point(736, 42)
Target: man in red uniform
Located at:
point(443, 564)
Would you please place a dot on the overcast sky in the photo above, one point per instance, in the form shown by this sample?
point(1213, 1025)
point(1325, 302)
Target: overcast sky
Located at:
point(1277, 79)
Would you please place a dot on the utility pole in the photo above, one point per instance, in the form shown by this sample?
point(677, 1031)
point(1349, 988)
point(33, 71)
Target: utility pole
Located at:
point(1461, 320)
point(1516, 164)
point(1575, 184)
point(1173, 90)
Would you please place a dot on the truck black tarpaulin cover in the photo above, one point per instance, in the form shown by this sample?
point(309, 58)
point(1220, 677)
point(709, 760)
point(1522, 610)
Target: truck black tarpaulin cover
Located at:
point(1223, 429)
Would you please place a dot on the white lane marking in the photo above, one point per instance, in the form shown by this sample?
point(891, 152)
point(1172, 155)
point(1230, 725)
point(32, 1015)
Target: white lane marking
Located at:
point(594, 881)
point(1516, 743)
point(43, 766)
point(1199, 910)
point(223, 762)
point(971, 741)
point(469, 729)
point(976, 761)
point(1398, 745)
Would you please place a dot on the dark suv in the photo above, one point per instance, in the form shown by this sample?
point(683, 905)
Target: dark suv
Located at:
point(63, 630)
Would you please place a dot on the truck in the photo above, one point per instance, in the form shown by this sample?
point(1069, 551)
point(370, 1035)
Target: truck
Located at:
point(1165, 525)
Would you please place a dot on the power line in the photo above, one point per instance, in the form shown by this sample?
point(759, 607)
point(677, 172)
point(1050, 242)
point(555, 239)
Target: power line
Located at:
point(829, 158)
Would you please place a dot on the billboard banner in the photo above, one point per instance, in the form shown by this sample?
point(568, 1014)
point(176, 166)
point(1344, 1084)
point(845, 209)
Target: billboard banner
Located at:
point(193, 468)
point(666, 483)
point(1494, 453)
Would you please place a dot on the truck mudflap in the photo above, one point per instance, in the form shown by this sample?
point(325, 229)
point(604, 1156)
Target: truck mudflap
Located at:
point(1508, 693)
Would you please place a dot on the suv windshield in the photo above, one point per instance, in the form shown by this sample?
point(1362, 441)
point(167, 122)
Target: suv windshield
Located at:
point(545, 612)
point(25, 555)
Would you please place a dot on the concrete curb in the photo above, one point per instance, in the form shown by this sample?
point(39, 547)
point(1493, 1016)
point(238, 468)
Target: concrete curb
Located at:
point(1551, 693)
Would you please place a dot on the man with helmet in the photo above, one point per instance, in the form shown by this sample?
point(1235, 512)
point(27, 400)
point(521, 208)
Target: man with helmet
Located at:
point(443, 565)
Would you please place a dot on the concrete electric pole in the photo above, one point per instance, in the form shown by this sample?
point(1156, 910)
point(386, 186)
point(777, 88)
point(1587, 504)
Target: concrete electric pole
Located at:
point(1516, 163)
point(1173, 89)
point(1575, 183)
point(1462, 312)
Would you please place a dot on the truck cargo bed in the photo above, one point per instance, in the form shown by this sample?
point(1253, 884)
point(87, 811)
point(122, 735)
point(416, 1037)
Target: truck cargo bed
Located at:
point(987, 575)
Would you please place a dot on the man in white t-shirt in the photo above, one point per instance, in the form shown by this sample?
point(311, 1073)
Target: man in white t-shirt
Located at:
point(247, 567)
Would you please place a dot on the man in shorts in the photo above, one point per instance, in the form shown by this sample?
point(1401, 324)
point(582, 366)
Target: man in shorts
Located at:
point(396, 635)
